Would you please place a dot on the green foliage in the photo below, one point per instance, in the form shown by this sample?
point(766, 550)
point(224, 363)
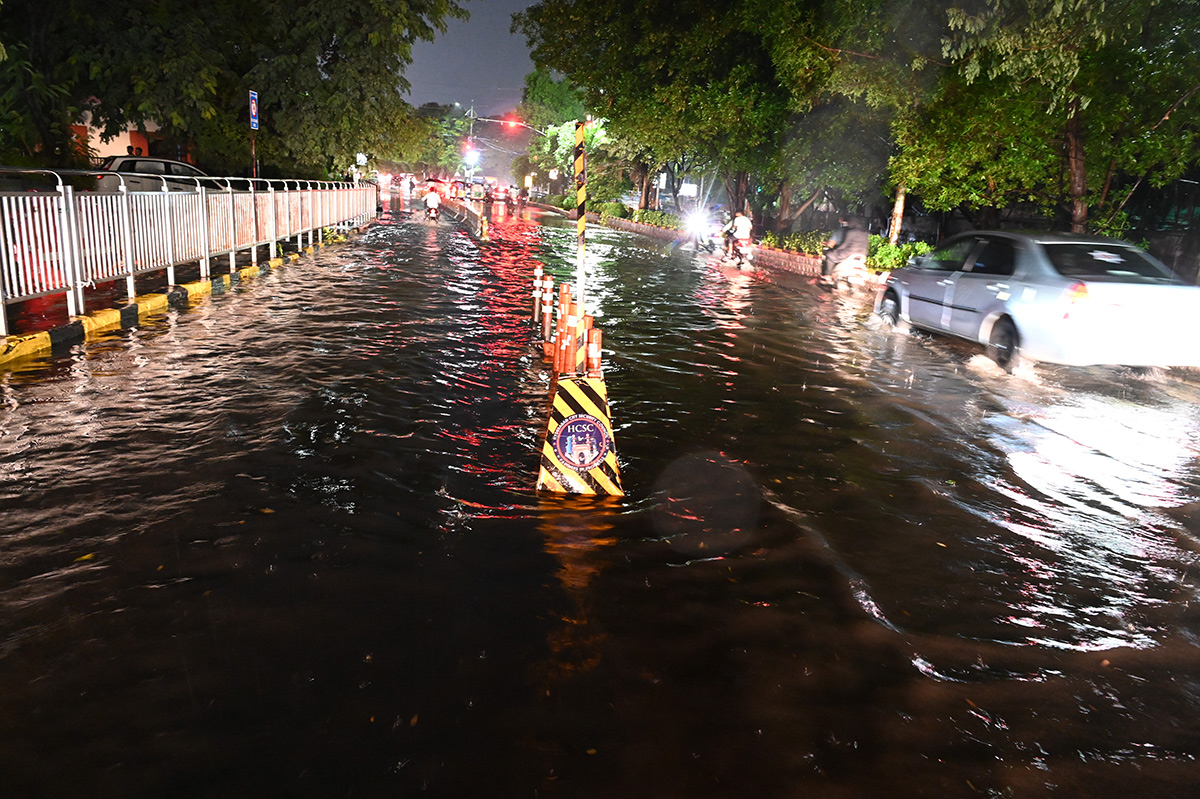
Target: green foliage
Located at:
point(981, 145)
point(435, 144)
point(564, 201)
point(608, 210)
point(886, 256)
point(807, 242)
point(675, 78)
point(607, 185)
point(547, 102)
point(35, 115)
point(883, 254)
point(660, 218)
point(329, 76)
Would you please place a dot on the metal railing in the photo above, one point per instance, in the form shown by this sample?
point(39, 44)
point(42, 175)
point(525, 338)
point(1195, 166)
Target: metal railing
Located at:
point(64, 240)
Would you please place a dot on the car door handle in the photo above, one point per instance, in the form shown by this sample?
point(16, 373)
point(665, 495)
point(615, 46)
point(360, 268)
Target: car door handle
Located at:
point(944, 282)
point(997, 287)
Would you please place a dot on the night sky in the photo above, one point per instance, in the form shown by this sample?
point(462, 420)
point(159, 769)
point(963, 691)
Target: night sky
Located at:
point(477, 61)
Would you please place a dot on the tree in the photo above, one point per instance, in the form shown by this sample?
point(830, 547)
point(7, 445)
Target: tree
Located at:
point(678, 78)
point(547, 102)
point(1121, 81)
point(329, 76)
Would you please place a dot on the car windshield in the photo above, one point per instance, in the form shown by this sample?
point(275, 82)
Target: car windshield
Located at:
point(1107, 261)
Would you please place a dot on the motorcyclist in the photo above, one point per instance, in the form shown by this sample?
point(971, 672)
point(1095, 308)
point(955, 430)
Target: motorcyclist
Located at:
point(737, 232)
point(432, 201)
point(853, 241)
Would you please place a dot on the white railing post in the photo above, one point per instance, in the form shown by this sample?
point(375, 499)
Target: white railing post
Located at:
point(69, 251)
point(254, 231)
point(6, 257)
point(170, 215)
point(274, 225)
point(125, 204)
point(308, 195)
point(206, 241)
point(298, 225)
point(232, 229)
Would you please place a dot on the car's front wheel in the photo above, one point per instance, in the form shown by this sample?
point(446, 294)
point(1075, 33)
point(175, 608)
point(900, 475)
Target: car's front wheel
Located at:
point(1004, 345)
point(889, 310)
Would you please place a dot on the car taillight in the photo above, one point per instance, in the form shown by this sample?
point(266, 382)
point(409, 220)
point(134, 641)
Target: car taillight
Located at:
point(1075, 295)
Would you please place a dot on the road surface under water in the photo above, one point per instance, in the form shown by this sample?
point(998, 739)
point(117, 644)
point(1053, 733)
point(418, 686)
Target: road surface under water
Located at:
point(285, 543)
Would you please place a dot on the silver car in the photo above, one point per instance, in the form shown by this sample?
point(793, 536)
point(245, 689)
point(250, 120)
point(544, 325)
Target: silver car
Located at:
point(143, 173)
point(1050, 297)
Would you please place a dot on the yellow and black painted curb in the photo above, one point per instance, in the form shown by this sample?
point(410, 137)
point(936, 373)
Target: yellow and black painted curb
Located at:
point(82, 328)
point(579, 455)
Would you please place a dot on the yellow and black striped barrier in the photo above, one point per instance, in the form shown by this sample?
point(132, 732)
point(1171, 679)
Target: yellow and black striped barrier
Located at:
point(579, 455)
point(580, 157)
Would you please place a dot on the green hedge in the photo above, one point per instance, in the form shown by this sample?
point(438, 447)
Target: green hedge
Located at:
point(610, 210)
point(882, 256)
point(885, 255)
point(660, 218)
point(564, 201)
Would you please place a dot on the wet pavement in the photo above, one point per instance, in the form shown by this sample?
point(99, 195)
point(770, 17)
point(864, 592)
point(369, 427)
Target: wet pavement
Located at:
point(285, 542)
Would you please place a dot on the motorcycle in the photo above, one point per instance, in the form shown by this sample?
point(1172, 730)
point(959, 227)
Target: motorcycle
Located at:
point(741, 254)
point(431, 213)
point(851, 274)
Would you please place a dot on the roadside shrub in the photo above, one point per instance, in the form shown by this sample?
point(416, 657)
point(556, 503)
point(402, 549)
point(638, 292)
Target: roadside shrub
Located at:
point(660, 218)
point(610, 210)
point(886, 256)
point(559, 201)
point(809, 242)
point(882, 256)
point(806, 242)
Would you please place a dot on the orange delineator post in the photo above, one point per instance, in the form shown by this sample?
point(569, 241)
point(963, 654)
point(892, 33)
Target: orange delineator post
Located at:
point(594, 339)
point(552, 344)
point(572, 340)
point(537, 292)
point(547, 307)
point(581, 344)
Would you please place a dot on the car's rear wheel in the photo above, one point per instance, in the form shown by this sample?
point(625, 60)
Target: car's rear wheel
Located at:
point(1004, 345)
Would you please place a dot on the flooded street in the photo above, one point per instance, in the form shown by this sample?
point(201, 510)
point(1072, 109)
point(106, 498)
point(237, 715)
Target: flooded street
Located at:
point(286, 543)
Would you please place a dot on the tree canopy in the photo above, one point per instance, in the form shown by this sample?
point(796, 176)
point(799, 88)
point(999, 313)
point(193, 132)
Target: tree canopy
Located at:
point(329, 76)
point(1062, 106)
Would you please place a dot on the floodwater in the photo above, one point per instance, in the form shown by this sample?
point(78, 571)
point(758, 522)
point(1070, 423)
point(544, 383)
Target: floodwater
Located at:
point(286, 543)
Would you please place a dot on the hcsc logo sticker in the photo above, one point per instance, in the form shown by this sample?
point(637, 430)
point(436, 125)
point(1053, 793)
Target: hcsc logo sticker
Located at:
point(581, 442)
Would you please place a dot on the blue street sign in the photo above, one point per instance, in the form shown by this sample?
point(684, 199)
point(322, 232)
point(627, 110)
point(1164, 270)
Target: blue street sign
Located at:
point(253, 110)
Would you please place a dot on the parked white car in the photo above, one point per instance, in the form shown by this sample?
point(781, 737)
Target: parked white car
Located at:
point(142, 173)
point(1057, 298)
